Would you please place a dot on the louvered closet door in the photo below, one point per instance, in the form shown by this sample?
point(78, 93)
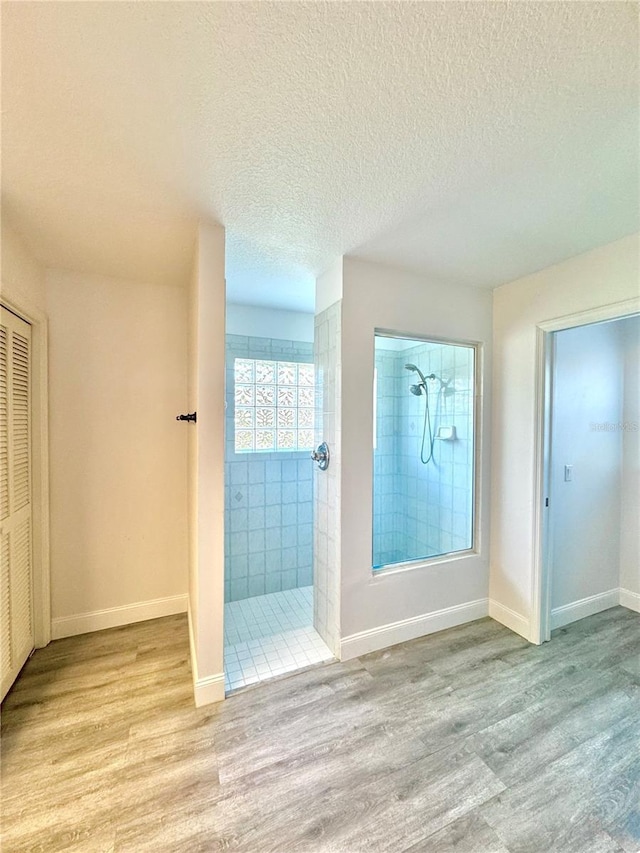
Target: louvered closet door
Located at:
point(15, 496)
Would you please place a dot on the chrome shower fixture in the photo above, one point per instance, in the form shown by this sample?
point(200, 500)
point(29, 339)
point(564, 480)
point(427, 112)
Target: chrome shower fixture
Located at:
point(417, 389)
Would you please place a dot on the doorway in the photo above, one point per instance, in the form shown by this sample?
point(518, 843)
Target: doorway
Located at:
point(21, 635)
point(16, 517)
point(590, 474)
point(269, 495)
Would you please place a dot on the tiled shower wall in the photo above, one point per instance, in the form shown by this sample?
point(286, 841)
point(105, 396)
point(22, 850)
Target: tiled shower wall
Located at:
point(327, 358)
point(423, 510)
point(388, 521)
point(268, 496)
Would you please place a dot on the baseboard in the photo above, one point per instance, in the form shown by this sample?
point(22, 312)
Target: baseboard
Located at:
point(515, 622)
point(208, 690)
point(409, 629)
point(114, 617)
point(585, 607)
point(630, 599)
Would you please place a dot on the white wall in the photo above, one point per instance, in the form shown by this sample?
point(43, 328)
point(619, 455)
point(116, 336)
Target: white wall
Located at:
point(585, 512)
point(630, 492)
point(329, 286)
point(598, 278)
point(23, 278)
point(260, 322)
point(117, 360)
point(206, 377)
point(377, 297)
point(327, 530)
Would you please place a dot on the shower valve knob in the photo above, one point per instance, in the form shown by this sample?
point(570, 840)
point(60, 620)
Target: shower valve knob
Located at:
point(321, 456)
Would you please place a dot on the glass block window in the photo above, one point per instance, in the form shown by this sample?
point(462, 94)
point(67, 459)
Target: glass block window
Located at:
point(274, 405)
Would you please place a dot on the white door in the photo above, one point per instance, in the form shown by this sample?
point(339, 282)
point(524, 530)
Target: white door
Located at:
point(16, 588)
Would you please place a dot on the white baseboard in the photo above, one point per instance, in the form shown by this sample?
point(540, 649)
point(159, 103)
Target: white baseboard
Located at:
point(114, 617)
point(585, 607)
point(208, 690)
point(630, 599)
point(515, 622)
point(409, 629)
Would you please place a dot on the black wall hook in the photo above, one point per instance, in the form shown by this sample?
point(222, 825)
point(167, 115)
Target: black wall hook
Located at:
point(192, 417)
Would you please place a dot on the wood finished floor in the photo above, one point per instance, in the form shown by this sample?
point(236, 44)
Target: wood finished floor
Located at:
point(469, 740)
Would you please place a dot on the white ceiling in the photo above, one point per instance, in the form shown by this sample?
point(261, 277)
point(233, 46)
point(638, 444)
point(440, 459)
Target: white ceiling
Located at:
point(474, 142)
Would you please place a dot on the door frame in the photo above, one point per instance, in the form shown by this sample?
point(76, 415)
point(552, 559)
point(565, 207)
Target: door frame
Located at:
point(39, 467)
point(543, 526)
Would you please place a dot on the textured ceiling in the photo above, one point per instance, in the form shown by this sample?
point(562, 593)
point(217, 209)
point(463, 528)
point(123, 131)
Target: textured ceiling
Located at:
point(475, 142)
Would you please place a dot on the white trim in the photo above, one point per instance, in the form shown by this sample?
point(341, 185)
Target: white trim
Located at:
point(509, 618)
point(539, 623)
point(409, 629)
point(192, 642)
point(614, 311)
point(208, 690)
point(584, 607)
point(630, 599)
point(40, 467)
point(114, 617)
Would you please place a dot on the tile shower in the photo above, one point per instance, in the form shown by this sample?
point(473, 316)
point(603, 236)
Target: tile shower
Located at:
point(422, 510)
point(270, 635)
point(268, 495)
point(269, 524)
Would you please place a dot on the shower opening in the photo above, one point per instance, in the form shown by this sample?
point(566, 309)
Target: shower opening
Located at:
point(269, 494)
point(423, 449)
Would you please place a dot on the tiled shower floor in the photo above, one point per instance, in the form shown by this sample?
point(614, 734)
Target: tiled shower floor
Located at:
point(268, 635)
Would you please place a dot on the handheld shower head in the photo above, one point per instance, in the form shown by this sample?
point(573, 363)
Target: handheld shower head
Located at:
point(414, 369)
point(417, 389)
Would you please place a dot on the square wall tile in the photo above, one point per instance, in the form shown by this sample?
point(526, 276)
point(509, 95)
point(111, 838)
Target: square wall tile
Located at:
point(238, 543)
point(273, 494)
point(289, 579)
point(256, 472)
point(273, 538)
point(289, 536)
point(256, 541)
point(237, 520)
point(238, 566)
point(273, 472)
point(273, 582)
point(289, 558)
point(239, 589)
point(256, 518)
point(273, 516)
point(305, 576)
point(257, 585)
point(257, 564)
point(256, 495)
point(289, 471)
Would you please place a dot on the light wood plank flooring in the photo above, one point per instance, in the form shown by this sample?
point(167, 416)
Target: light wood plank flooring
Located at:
point(469, 740)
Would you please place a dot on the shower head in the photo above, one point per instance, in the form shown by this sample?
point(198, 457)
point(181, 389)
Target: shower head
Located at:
point(414, 369)
point(417, 389)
